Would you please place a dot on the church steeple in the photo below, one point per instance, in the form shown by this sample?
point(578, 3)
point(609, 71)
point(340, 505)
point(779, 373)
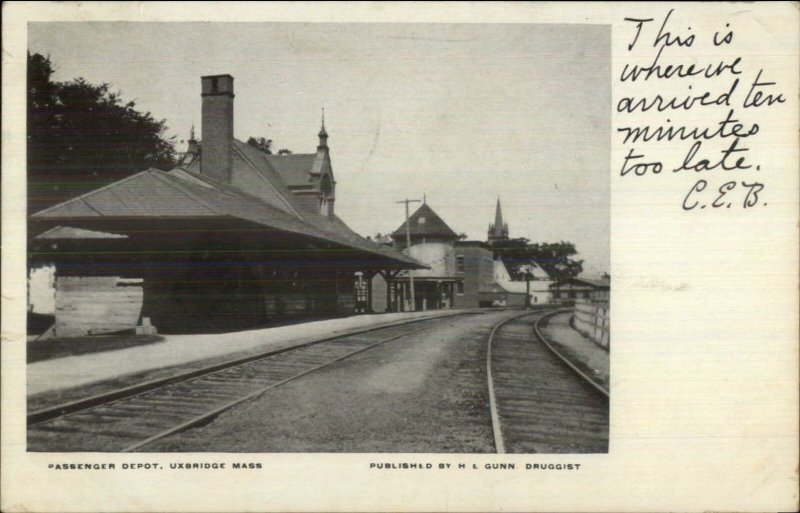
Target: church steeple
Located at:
point(498, 230)
point(323, 135)
point(498, 214)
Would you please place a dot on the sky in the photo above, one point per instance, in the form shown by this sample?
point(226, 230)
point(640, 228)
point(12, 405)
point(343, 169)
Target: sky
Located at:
point(461, 114)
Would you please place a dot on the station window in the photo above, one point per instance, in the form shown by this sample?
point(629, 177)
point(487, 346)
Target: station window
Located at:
point(460, 288)
point(421, 220)
point(460, 265)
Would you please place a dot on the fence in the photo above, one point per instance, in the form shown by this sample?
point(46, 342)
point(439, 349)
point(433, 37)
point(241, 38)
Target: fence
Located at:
point(592, 319)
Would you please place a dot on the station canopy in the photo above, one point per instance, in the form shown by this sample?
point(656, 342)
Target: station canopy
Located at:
point(153, 201)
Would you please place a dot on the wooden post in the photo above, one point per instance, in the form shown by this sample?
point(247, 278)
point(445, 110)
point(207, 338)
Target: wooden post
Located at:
point(368, 277)
point(527, 290)
point(408, 246)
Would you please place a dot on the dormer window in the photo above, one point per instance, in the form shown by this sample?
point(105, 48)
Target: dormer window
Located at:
point(421, 220)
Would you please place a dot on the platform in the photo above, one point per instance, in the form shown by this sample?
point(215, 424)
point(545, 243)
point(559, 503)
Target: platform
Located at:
point(76, 371)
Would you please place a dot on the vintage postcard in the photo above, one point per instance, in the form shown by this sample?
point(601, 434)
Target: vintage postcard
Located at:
point(400, 257)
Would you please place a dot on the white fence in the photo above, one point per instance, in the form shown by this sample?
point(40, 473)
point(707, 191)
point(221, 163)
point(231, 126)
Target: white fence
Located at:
point(592, 319)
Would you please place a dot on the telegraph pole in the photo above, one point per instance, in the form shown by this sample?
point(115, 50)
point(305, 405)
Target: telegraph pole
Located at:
point(408, 245)
point(528, 275)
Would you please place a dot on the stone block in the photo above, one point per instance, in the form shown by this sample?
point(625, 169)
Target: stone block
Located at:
point(146, 328)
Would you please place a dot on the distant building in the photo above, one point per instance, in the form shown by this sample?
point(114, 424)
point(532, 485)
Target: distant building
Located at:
point(475, 265)
point(516, 284)
point(432, 244)
point(498, 230)
point(460, 274)
point(516, 279)
point(570, 289)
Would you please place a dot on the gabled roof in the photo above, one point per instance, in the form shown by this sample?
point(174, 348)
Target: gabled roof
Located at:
point(600, 284)
point(425, 223)
point(295, 169)
point(180, 194)
point(517, 268)
point(251, 167)
point(145, 194)
point(590, 282)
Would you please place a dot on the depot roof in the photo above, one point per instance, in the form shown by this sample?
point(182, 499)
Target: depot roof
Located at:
point(157, 195)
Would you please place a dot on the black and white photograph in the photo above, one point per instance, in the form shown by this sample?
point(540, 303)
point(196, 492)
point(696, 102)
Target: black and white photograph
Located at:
point(318, 237)
point(359, 256)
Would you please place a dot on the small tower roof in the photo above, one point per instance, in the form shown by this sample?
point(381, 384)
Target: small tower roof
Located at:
point(323, 134)
point(425, 223)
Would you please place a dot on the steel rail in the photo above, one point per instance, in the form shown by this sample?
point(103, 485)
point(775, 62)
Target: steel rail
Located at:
point(205, 417)
point(497, 432)
point(589, 381)
point(81, 405)
point(499, 442)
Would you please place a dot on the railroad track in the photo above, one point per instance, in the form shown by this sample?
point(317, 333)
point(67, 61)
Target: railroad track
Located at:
point(129, 419)
point(541, 402)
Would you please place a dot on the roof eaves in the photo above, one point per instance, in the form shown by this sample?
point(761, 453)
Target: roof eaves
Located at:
point(82, 197)
point(69, 232)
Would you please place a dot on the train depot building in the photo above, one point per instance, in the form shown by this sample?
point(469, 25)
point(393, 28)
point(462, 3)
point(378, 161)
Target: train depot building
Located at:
point(571, 289)
point(231, 238)
point(459, 274)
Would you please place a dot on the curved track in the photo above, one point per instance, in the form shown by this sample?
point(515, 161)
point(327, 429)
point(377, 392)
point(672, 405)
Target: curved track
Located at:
point(540, 402)
point(130, 419)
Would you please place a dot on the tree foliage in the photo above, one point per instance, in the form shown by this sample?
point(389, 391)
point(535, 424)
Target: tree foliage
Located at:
point(556, 258)
point(265, 145)
point(82, 136)
point(261, 143)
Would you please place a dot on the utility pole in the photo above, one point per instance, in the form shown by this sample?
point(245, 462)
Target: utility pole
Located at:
point(526, 269)
point(408, 245)
point(527, 291)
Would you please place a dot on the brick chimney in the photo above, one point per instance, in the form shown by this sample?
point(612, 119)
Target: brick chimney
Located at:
point(216, 159)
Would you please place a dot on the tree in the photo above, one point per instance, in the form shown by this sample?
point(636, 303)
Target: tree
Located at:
point(82, 136)
point(556, 258)
point(261, 143)
point(382, 239)
point(265, 145)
